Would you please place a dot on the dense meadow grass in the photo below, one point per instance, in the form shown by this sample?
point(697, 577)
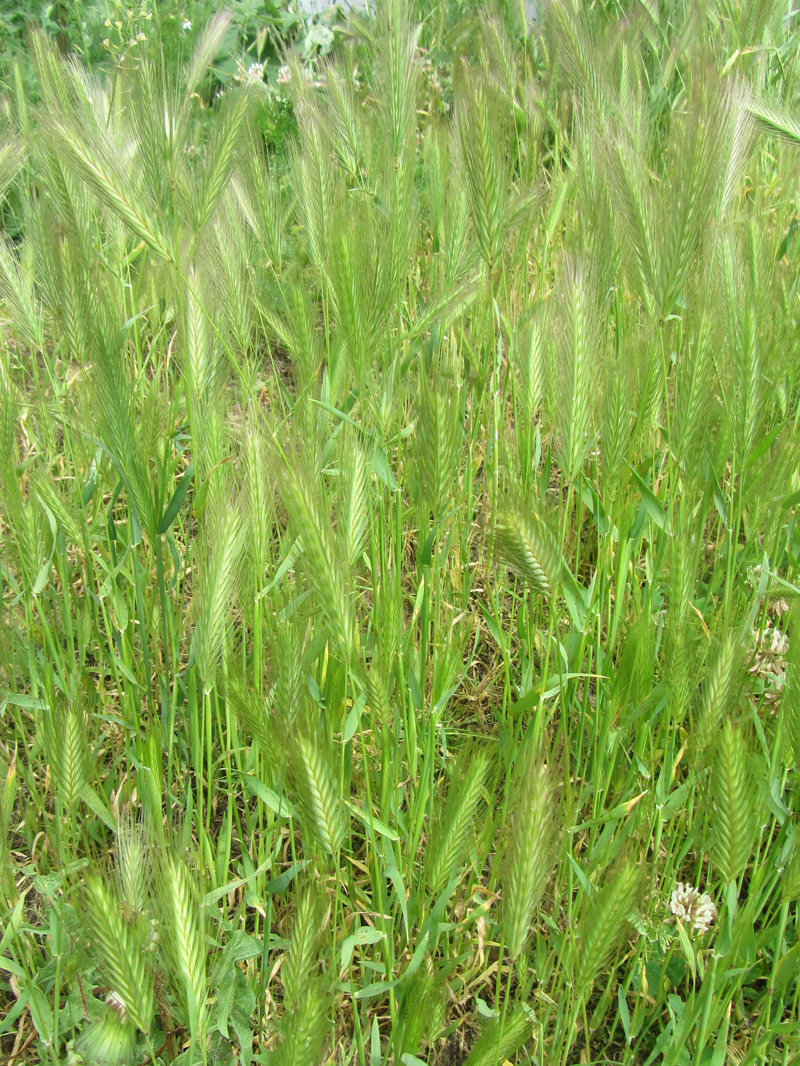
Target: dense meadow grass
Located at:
point(399, 550)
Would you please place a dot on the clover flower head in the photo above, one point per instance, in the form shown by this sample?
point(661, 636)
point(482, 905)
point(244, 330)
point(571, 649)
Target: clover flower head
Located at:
point(754, 574)
point(692, 907)
point(768, 659)
point(779, 642)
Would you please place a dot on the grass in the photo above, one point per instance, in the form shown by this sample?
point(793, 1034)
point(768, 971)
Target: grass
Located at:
point(399, 546)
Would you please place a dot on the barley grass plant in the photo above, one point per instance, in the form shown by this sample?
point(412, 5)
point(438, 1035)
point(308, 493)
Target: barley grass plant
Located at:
point(399, 555)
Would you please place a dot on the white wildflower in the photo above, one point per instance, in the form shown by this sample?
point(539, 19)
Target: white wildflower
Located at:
point(768, 660)
point(693, 907)
point(256, 71)
point(186, 25)
point(754, 574)
point(779, 642)
point(284, 75)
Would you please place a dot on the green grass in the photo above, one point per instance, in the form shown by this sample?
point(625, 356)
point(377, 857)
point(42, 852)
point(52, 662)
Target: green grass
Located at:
point(400, 548)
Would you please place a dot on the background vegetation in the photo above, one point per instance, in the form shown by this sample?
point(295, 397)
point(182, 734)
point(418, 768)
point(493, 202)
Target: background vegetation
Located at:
point(399, 483)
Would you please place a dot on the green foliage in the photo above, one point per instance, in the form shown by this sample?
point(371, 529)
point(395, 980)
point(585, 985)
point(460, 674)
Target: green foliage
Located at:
point(398, 533)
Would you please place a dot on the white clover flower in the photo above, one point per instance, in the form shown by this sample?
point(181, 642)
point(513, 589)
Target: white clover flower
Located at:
point(754, 574)
point(186, 25)
point(779, 642)
point(768, 659)
point(256, 71)
point(693, 907)
point(284, 75)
